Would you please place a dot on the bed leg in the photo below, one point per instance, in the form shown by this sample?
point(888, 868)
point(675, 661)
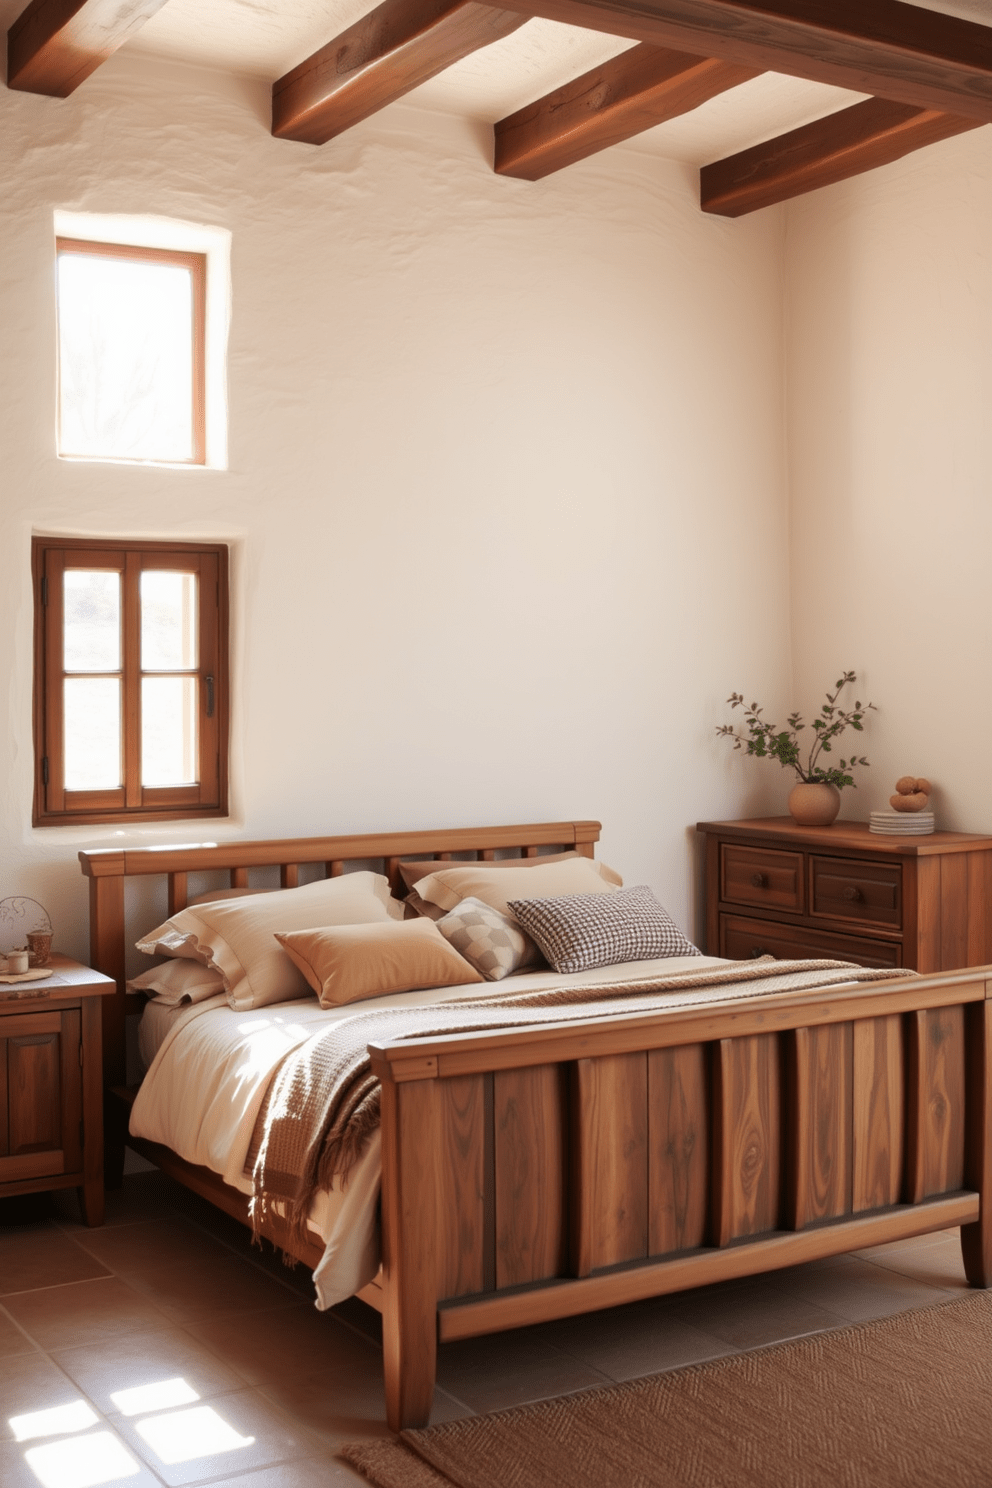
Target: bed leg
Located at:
point(976, 1239)
point(409, 1250)
point(114, 1139)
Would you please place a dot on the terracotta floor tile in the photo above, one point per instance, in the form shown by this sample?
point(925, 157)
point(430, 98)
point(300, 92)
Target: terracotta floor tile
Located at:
point(507, 1369)
point(16, 1472)
point(628, 1342)
point(315, 1472)
point(336, 1410)
point(937, 1265)
point(186, 1293)
point(149, 1245)
point(142, 1196)
point(267, 1434)
point(12, 1339)
point(102, 1369)
point(42, 1256)
point(279, 1344)
point(30, 1383)
point(862, 1290)
point(85, 1312)
point(753, 1312)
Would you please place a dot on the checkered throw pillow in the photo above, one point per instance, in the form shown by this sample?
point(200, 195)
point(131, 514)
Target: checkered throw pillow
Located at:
point(580, 931)
point(489, 940)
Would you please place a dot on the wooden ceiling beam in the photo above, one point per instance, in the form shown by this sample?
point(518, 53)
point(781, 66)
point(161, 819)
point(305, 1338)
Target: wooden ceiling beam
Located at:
point(394, 48)
point(626, 95)
point(883, 47)
point(857, 139)
point(54, 45)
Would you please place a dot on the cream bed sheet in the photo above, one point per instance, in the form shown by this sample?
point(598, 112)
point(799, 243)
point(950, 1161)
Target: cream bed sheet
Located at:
point(209, 1068)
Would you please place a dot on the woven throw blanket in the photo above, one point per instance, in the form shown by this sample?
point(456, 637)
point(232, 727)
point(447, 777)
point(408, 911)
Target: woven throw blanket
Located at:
point(323, 1102)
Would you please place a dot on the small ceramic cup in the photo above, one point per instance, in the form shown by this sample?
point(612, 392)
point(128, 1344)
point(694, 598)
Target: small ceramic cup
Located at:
point(39, 947)
point(17, 961)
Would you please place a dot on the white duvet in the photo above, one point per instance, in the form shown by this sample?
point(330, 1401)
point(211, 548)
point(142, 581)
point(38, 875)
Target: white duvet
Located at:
point(208, 1075)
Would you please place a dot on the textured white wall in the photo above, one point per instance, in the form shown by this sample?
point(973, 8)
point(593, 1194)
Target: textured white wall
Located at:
point(506, 479)
point(890, 438)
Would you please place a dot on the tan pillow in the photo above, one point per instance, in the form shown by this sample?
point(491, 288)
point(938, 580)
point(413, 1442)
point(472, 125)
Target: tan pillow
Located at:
point(236, 936)
point(349, 963)
point(413, 871)
point(496, 884)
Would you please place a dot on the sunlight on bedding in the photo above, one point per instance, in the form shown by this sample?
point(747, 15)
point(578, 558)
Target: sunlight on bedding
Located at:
point(158, 1396)
point(183, 1435)
point(82, 1462)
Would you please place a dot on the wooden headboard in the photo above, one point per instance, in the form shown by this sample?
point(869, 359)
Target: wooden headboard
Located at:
point(107, 868)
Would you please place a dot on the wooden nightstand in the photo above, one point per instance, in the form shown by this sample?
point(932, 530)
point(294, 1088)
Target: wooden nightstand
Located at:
point(51, 1085)
point(847, 893)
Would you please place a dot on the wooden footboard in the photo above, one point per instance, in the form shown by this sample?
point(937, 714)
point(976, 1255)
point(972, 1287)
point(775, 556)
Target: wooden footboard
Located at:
point(534, 1174)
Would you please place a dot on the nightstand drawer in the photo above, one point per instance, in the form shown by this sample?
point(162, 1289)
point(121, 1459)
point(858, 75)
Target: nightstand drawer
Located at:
point(761, 877)
point(742, 938)
point(845, 889)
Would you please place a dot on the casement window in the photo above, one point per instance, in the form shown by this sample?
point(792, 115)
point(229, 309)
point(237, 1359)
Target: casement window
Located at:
point(131, 353)
point(131, 680)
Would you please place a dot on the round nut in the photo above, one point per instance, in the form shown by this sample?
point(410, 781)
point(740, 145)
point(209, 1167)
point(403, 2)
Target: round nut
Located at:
point(924, 786)
point(906, 785)
point(916, 802)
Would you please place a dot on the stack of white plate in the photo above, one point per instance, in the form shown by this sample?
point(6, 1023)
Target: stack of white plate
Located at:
point(902, 823)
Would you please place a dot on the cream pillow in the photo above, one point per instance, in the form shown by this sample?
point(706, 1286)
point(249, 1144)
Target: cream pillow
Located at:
point(496, 884)
point(417, 868)
point(178, 981)
point(350, 963)
point(236, 936)
point(494, 943)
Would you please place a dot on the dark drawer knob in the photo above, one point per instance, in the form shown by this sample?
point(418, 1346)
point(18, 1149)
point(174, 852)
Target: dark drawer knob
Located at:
point(852, 895)
point(759, 880)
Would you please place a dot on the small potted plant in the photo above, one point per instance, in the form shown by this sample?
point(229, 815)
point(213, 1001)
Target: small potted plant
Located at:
point(814, 800)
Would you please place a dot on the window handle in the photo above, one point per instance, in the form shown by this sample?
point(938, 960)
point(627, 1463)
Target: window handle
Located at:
point(210, 696)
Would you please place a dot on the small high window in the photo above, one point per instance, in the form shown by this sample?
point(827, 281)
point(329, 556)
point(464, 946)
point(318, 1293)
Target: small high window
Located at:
point(131, 343)
point(131, 680)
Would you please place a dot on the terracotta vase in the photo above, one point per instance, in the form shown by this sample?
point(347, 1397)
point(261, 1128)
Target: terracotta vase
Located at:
point(814, 805)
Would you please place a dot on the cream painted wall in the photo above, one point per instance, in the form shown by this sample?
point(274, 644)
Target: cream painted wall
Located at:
point(507, 474)
point(889, 295)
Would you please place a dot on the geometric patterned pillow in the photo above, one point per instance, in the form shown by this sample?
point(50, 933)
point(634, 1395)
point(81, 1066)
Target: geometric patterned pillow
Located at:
point(492, 942)
point(581, 931)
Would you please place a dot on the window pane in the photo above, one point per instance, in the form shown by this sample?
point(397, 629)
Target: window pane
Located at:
point(168, 620)
point(92, 733)
point(168, 731)
point(92, 620)
point(125, 358)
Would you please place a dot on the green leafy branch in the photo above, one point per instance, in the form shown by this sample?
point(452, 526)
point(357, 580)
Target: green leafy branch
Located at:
point(768, 741)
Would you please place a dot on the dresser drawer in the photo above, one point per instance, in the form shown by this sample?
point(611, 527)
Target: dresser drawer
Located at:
point(741, 938)
point(846, 889)
point(761, 877)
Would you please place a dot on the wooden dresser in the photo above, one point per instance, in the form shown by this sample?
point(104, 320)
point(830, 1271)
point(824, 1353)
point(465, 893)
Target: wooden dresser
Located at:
point(51, 1085)
point(775, 888)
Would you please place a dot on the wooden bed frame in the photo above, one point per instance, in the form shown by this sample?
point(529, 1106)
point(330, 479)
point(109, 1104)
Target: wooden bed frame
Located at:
point(537, 1173)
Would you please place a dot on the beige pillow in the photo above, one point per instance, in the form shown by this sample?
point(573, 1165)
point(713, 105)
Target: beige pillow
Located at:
point(496, 884)
point(494, 943)
point(349, 963)
point(413, 871)
point(236, 936)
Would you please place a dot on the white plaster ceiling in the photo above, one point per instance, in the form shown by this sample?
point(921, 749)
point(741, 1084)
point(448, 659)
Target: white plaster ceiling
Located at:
point(265, 38)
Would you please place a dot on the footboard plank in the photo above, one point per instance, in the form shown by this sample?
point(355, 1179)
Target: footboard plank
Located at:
point(976, 1239)
point(747, 1148)
point(936, 1102)
point(878, 1107)
point(609, 1161)
point(818, 1124)
point(678, 1148)
point(530, 1121)
point(465, 1258)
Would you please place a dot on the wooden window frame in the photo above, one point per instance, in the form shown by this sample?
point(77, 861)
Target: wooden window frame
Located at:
point(53, 805)
point(196, 263)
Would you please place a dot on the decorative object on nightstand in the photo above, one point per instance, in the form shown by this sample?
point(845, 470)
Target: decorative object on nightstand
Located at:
point(51, 1082)
point(815, 800)
point(773, 888)
point(908, 816)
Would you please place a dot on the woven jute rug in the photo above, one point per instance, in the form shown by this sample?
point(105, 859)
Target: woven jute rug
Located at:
point(897, 1403)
